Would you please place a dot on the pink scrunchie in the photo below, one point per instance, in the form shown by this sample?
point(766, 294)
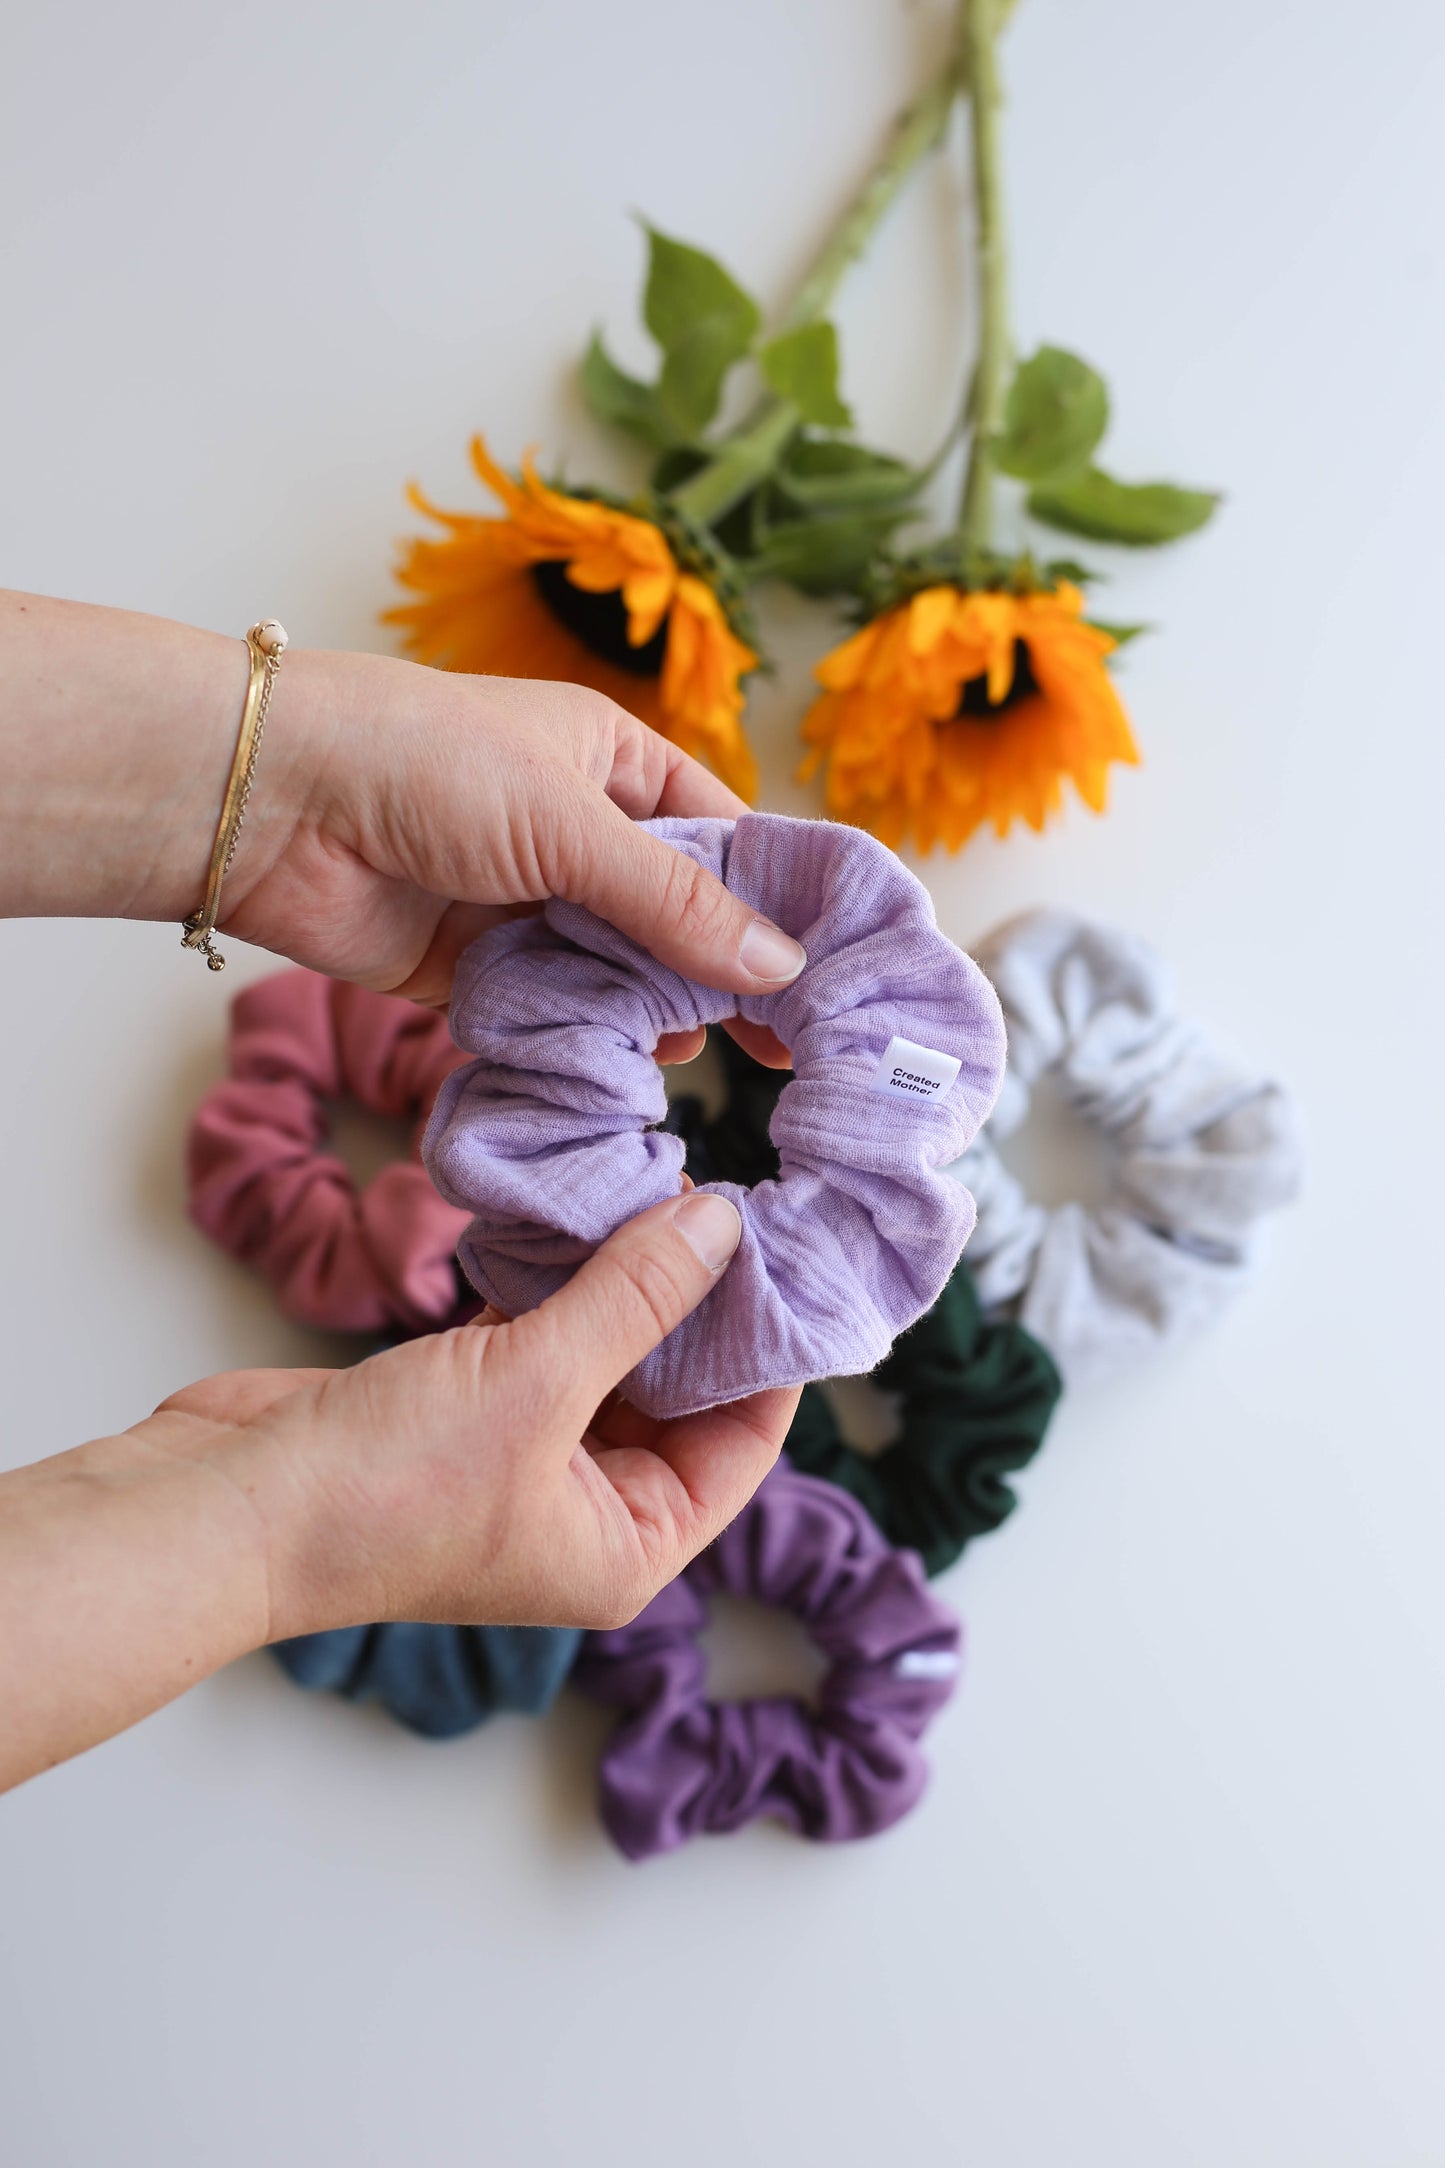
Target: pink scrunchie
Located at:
point(264, 1189)
point(678, 1765)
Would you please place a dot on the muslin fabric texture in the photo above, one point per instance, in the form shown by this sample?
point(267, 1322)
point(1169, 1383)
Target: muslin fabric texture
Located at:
point(550, 1138)
point(437, 1680)
point(679, 1766)
point(263, 1185)
point(975, 1394)
point(1202, 1146)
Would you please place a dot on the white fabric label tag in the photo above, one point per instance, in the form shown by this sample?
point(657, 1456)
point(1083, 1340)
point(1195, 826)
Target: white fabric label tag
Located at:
point(914, 1072)
point(925, 1664)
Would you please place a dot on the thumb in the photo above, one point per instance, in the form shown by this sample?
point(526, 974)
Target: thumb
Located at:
point(666, 901)
point(627, 1298)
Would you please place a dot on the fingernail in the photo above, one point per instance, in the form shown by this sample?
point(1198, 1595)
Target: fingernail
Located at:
point(771, 954)
point(710, 1225)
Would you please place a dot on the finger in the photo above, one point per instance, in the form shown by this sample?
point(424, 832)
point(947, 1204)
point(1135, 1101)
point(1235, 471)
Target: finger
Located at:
point(429, 982)
point(765, 1046)
point(693, 792)
point(649, 775)
point(667, 902)
point(694, 1476)
point(623, 1302)
point(618, 1423)
point(675, 1048)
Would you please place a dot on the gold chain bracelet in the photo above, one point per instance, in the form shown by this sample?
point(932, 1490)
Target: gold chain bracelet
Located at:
point(266, 644)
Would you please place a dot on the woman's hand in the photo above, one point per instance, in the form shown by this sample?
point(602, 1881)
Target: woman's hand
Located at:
point(431, 805)
point(488, 1474)
point(492, 1472)
point(483, 1474)
point(396, 811)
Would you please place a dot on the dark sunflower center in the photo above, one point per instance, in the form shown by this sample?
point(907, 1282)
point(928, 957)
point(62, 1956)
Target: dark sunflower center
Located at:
point(974, 702)
point(598, 621)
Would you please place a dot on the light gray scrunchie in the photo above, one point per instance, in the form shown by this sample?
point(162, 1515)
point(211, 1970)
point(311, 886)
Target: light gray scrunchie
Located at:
point(1203, 1146)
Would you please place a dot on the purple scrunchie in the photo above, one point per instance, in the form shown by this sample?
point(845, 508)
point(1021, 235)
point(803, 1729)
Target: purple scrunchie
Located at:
point(546, 1137)
point(679, 1766)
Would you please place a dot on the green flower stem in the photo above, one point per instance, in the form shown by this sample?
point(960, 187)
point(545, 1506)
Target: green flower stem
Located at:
point(984, 20)
point(747, 458)
point(740, 465)
point(920, 129)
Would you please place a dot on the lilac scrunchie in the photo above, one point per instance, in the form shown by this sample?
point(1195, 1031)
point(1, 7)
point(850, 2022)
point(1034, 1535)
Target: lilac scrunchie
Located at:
point(679, 1766)
point(546, 1137)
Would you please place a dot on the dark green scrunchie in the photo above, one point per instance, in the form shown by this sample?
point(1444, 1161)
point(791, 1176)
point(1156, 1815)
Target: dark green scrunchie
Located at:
point(977, 1394)
point(977, 1397)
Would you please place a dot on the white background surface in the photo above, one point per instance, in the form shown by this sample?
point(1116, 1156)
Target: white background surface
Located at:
point(1176, 1895)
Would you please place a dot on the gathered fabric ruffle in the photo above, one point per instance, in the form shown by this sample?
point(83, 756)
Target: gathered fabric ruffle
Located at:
point(975, 1399)
point(552, 1136)
point(437, 1680)
point(265, 1188)
point(1202, 1147)
point(679, 1766)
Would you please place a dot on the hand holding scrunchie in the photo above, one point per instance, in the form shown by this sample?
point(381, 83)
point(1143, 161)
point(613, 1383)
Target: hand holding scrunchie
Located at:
point(399, 811)
point(263, 1186)
point(1203, 1147)
point(678, 1766)
point(552, 1135)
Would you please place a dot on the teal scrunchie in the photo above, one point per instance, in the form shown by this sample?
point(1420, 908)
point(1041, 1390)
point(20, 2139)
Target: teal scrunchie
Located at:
point(977, 1393)
point(437, 1680)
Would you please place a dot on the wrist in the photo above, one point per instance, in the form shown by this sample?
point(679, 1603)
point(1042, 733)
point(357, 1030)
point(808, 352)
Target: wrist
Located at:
point(331, 713)
point(125, 1546)
point(267, 784)
point(307, 1550)
point(181, 1498)
point(117, 733)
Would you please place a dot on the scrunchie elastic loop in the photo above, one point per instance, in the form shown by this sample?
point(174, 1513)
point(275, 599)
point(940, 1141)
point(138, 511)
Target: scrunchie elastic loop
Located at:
point(437, 1680)
point(679, 1766)
point(550, 1137)
point(263, 1187)
point(976, 1394)
point(1203, 1147)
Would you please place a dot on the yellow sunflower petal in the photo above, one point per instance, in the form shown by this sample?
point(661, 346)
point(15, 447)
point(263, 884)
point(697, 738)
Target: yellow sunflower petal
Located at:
point(478, 607)
point(901, 756)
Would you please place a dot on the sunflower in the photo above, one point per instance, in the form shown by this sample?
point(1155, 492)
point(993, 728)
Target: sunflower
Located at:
point(955, 707)
point(569, 587)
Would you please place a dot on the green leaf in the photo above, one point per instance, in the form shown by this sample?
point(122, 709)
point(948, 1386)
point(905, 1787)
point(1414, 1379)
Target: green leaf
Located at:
point(802, 367)
point(702, 320)
point(1121, 635)
point(824, 556)
point(1056, 412)
point(614, 396)
point(829, 474)
point(685, 288)
point(1138, 514)
point(691, 380)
